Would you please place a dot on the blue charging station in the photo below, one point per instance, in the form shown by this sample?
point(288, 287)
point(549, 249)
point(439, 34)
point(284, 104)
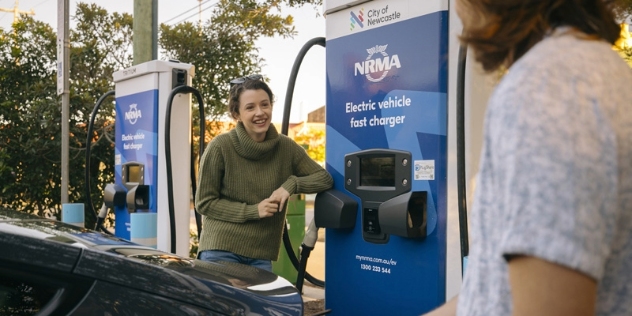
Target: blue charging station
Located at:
point(387, 148)
point(141, 103)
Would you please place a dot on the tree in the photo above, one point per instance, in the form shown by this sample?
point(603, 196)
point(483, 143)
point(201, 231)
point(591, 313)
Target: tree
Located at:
point(29, 134)
point(30, 129)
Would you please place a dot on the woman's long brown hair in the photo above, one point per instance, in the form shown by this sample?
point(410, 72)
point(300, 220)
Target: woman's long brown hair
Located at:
point(501, 31)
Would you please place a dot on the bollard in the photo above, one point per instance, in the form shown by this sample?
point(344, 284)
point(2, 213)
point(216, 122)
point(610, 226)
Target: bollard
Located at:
point(73, 213)
point(143, 229)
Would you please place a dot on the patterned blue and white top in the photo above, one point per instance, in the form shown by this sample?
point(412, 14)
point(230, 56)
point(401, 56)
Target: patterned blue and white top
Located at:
point(555, 179)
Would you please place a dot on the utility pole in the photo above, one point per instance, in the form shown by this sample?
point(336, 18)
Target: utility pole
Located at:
point(145, 31)
point(16, 11)
point(63, 89)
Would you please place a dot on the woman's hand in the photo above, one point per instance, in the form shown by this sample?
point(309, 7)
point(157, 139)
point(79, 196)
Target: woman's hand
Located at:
point(267, 208)
point(280, 196)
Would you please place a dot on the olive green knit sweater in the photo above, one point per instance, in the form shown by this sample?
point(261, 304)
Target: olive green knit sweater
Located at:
point(236, 173)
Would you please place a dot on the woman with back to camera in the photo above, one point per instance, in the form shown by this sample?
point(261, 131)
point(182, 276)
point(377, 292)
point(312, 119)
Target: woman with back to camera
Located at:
point(246, 177)
point(551, 225)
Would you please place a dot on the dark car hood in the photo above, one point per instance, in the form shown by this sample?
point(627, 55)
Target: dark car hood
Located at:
point(108, 258)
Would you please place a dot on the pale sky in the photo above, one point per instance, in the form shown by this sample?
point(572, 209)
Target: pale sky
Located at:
point(309, 92)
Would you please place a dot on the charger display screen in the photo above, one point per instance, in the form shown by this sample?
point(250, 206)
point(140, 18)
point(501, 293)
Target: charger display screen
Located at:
point(377, 171)
point(134, 173)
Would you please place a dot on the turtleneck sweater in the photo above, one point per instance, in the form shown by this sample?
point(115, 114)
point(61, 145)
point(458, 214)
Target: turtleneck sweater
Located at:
point(236, 173)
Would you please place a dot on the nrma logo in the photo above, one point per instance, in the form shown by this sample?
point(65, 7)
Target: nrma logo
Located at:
point(357, 19)
point(133, 114)
point(376, 68)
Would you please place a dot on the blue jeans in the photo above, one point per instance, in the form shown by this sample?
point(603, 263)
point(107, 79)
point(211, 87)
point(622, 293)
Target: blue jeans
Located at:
point(227, 256)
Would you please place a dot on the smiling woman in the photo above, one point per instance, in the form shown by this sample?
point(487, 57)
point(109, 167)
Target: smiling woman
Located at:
point(256, 112)
point(246, 178)
point(252, 107)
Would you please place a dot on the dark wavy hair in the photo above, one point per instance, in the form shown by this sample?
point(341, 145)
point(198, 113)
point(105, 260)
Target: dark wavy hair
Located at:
point(502, 31)
point(237, 89)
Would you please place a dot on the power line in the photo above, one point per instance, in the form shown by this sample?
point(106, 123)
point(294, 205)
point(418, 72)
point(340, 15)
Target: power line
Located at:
point(194, 14)
point(37, 5)
point(185, 12)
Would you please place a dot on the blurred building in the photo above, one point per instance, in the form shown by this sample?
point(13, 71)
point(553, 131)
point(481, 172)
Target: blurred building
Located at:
point(315, 121)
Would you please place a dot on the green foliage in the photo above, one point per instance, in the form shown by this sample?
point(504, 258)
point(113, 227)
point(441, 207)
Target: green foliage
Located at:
point(29, 117)
point(194, 243)
point(30, 112)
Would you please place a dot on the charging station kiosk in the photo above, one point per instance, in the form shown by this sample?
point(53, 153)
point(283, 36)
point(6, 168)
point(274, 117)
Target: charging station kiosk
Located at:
point(388, 150)
point(140, 171)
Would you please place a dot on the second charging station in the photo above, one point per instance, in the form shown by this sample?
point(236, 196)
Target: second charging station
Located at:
point(141, 107)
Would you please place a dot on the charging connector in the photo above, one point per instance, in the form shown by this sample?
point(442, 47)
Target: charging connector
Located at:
point(309, 241)
point(311, 235)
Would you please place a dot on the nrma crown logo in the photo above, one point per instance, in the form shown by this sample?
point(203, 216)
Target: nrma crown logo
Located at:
point(376, 68)
point(133, 114)
point(357, 19)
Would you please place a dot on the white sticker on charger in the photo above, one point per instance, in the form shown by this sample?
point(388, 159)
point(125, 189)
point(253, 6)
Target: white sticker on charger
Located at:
point(424, 170)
